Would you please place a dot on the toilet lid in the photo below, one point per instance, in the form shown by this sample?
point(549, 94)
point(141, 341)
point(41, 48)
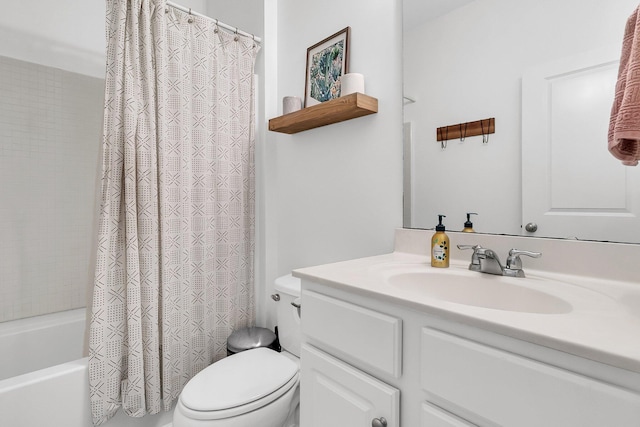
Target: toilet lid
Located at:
point(238, 380)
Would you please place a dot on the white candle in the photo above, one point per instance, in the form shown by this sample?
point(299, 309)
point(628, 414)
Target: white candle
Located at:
point(291, 104)
point(351, 83)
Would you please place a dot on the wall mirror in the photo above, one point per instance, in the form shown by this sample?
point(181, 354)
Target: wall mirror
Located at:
point(546, 72)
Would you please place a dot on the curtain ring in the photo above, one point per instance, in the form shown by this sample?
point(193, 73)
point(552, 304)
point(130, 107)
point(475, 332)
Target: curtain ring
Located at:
point(236, 38)
point(215, 30)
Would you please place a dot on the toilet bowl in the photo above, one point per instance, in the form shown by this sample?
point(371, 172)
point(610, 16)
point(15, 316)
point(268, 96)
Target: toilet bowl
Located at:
point(257, 387)
point(254, 387)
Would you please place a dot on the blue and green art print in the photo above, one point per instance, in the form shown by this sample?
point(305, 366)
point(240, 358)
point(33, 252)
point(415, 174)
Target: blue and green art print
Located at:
point(325, 72)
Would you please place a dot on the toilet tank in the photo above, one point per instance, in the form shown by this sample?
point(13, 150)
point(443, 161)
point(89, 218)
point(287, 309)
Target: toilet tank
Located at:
point(288, 316)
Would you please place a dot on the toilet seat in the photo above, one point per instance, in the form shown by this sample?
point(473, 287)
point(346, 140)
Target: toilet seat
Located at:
point(239, 384)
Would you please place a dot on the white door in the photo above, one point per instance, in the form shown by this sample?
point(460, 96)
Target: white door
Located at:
point(336, 394)
point(572, 186)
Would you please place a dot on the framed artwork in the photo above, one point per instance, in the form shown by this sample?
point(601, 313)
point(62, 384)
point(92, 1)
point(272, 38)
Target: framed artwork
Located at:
point(327, 61)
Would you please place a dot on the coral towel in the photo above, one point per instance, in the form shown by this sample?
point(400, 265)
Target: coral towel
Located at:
point(624, 126)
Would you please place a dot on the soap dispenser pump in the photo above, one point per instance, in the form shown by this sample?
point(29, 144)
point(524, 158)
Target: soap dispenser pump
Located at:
point(468, 226)
point(440, 246)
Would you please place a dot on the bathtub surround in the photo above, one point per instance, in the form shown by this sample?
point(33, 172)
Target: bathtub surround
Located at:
point(49, 143)
point(176, 231)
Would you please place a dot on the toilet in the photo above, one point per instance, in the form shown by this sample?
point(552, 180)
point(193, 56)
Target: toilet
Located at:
point(256, 387)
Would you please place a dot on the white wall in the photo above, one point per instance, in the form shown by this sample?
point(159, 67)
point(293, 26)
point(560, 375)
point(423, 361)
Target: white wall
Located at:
point(66, 34)
point(338, 189)
point(467, 66)
point(247, 15)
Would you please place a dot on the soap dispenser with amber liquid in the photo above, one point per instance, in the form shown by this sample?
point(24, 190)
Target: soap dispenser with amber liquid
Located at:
point(440, 246)
point(468, 226)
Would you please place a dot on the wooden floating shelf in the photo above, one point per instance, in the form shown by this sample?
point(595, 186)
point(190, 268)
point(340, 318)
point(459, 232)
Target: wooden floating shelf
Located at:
point(337, 110)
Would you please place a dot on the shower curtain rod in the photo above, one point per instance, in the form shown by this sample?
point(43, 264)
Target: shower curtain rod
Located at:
point(221, 24)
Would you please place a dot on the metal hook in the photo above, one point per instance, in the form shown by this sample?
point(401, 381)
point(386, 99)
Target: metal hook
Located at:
point(485, 137)
point(236, 38)
point(463, 136)
point(443, 140)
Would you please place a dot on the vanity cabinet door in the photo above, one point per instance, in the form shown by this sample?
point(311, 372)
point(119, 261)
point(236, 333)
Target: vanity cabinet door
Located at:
point(336, 394)
point(511, 390)
point(432, 416)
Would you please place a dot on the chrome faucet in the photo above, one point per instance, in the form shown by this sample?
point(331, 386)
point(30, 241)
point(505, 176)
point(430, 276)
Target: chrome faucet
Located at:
point(487, 261)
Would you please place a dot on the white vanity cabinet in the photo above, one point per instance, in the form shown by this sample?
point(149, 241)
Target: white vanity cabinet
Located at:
point(365, 358)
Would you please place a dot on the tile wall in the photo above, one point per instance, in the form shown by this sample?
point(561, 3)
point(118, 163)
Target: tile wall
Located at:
point(50, 127)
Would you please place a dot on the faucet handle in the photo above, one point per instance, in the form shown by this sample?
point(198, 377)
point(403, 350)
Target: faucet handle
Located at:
point(474, 247)
point(515, 263)
point(475, 262)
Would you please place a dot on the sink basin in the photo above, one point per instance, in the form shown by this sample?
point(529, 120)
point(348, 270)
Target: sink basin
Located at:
point(478, 290)
point(631, 303)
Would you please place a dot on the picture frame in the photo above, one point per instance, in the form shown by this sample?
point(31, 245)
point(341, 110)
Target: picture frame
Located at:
point(327, 62)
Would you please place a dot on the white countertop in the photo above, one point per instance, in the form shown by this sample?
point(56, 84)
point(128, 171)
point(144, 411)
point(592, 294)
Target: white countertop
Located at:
point(603, 324)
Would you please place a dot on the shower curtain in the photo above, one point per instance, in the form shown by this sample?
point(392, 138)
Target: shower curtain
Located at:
point(174, 274)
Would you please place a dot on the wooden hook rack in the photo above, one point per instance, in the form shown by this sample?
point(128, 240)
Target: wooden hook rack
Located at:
point(464, 130)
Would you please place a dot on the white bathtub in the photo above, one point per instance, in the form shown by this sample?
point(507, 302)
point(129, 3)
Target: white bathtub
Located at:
point(34, 343)
point(57, 395)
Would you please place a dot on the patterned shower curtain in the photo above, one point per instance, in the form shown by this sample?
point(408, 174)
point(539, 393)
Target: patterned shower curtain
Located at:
point(174, 274)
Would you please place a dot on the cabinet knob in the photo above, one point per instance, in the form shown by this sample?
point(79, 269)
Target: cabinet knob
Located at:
point(379, 422)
